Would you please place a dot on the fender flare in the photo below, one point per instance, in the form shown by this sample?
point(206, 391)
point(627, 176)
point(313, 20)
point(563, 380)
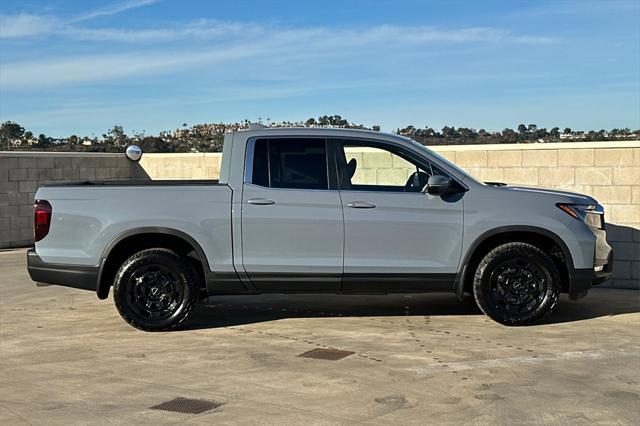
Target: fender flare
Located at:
point(462, 270)
point(103, 292)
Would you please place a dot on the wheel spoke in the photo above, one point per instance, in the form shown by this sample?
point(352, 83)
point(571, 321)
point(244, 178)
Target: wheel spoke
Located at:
point(154, 292)
point(517, 286)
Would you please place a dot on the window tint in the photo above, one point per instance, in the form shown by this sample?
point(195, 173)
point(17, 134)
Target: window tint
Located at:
point(290, 163)
point(378, 168)
point(261, 163)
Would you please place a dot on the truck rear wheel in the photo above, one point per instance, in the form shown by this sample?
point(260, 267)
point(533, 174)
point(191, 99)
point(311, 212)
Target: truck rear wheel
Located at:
point(155, 289)
point(516, 284)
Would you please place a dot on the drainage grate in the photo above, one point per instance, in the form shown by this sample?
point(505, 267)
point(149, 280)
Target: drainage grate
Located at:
point(187, 405)
point(328, 354)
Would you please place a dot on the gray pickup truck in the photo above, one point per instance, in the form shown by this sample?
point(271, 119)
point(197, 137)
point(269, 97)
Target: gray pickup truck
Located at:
point(319, 210)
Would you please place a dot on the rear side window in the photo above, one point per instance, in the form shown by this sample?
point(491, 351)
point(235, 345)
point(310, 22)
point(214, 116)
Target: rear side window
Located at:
point(290, 163)
point(261, 163)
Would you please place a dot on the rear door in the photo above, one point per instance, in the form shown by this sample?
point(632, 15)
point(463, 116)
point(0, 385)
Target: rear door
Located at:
point(292, 226)
point(397, 238)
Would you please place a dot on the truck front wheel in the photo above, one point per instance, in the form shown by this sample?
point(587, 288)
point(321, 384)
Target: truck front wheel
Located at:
point(516, 284)
point(155, 289)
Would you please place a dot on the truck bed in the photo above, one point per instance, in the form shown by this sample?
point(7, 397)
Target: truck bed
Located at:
point(88, 216)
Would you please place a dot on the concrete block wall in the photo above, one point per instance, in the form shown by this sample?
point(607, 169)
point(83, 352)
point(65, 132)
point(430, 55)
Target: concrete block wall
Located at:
point(21, 173)
point(377, 166)
point(609, 171)
point(182, 166)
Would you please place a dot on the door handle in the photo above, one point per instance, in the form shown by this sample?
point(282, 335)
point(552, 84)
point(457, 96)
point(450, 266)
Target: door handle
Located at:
point(260, 202)
point(361, 205)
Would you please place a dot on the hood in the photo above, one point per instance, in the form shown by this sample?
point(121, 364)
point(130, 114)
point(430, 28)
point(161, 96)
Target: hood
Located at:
point(572, 196)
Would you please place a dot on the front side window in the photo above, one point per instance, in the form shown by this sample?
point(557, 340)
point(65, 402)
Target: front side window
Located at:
point(290, 163)
point(375, 167)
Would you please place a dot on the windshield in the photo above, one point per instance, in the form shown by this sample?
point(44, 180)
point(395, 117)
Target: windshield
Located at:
point(441, 158)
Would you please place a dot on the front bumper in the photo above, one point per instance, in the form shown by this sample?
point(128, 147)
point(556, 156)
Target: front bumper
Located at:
point(581, 280)
point(82, 277)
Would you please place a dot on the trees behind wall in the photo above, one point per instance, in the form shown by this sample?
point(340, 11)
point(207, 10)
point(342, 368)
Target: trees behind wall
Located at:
point(209, 137)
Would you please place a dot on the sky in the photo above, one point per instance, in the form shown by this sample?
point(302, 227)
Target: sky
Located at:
point(80, 67)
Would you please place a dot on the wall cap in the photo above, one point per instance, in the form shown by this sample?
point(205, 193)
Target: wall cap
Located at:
point(437, 148)
point(537, 146)
point(60, 154)
point(181, 154)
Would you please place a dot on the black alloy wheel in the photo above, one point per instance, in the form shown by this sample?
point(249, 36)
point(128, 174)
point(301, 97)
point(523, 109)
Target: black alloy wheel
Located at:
point(154, 292)
point(516, 284)
point(155, 289)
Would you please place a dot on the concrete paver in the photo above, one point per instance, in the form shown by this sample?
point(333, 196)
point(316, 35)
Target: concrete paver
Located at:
point(68, 358)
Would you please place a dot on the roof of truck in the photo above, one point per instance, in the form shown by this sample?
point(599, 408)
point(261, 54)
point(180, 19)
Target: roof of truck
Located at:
point(318, 131)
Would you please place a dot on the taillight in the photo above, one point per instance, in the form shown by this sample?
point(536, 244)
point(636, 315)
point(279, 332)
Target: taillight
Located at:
point(42, 219)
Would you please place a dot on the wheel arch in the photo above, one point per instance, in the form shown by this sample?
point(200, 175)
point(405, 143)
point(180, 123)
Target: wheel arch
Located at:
point(540, 237)
point(136, 239)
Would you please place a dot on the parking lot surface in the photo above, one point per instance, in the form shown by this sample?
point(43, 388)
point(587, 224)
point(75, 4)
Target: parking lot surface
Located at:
point(68, 358)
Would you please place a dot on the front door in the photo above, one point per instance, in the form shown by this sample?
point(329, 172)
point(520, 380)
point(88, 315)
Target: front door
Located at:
point(292, 227)
point(397, 238)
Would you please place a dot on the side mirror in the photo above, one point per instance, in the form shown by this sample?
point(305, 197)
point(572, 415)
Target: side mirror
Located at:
point(134, 152)
point(439, 185)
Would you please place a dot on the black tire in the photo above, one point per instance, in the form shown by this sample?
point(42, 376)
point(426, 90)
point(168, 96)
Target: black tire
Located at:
point(155, 290)
point(516, 284)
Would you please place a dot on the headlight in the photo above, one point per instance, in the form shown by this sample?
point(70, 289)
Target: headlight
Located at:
point(591, 214)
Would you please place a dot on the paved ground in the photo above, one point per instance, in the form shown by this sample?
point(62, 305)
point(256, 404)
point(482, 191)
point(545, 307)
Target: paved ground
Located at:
point(67, 358)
